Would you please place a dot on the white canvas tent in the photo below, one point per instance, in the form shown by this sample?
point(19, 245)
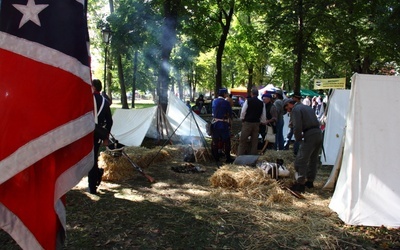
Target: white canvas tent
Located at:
point(183, 120)
point(269, 88)
point(338, 105)
point(132, 125)
point(367, 190)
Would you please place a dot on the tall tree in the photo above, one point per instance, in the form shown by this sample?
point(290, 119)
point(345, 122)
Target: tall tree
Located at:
point(363, 35)
point(168, 39)
point(224, 18)
point(135, 23)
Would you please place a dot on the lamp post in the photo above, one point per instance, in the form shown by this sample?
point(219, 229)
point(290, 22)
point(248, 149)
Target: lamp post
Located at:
point(106, 34)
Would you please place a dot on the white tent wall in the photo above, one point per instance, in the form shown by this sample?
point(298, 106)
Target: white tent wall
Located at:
point(179, 117)
point(130, 126)
point(160, 128)
point(368, 191)
point(336, 122)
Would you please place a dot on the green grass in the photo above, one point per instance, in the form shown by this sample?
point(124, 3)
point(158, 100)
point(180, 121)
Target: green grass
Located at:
point(140, 105)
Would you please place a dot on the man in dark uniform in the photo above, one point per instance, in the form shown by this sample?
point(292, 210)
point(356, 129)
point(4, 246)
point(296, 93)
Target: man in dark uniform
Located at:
point(104, 119)
point(222, 117)
point(306, 130)
point(253, 113)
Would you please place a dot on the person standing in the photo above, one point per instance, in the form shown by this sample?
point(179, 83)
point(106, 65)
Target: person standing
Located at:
point(271, 116)
point(229, 99)
point(104, 120)
point(200, 102)
point(222, 117)
point(307, 101)
point(296, 97)
point(241, 100)
point(253, 113)
point(307, 132)
point(279, 140)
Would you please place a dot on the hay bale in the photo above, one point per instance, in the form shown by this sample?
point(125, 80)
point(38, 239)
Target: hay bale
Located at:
point(251, 182)
point(271, 156)
point(115, 168)
point(120, 169)
point(223, 178)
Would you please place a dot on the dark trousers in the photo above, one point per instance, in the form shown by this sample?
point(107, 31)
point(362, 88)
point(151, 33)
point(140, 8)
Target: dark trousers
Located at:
point(221, 138)
point(307, 158)
point(94, 174)
point(279, 141)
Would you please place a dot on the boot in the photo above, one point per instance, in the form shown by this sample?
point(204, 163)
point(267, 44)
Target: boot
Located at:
point(297, 187)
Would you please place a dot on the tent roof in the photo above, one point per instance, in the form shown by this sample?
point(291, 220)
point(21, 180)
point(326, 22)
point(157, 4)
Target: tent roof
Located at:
point(307, 92)
point(242, 91)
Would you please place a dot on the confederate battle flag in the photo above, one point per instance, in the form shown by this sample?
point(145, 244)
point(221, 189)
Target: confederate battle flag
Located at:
point(46, 116)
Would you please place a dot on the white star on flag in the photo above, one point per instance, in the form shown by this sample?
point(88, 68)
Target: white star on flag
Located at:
point(30, 12)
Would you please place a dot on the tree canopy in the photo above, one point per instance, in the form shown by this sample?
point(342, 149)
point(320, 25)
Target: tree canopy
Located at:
point(193, 47)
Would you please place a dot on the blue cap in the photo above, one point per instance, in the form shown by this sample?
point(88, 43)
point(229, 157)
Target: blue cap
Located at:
point(266, 95)
point(222, 91)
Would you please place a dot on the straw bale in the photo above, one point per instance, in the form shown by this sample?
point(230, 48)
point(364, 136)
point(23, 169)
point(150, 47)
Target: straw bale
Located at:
point(120, 169)
point(115, 168)
point(271, 156)
point(223, 179)
point(251, 182)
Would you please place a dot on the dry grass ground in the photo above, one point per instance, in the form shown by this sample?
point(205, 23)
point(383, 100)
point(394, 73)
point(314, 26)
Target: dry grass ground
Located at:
point(191, 211)
point(198, 211)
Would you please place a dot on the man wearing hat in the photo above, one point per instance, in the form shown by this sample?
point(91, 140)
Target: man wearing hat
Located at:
point(222, 117)
point(307, 132)
point(253, 113)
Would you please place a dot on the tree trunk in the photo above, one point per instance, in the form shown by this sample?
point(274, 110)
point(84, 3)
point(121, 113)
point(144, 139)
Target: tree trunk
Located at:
point(179, 84)
point(221, 46)
point(168, 41)
point(299, 48)
point(135, 61)
point(193, 83)
point(108, 59)
point(109, 76)
point(124, 100)
point(250, 84)
point(232, 79)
